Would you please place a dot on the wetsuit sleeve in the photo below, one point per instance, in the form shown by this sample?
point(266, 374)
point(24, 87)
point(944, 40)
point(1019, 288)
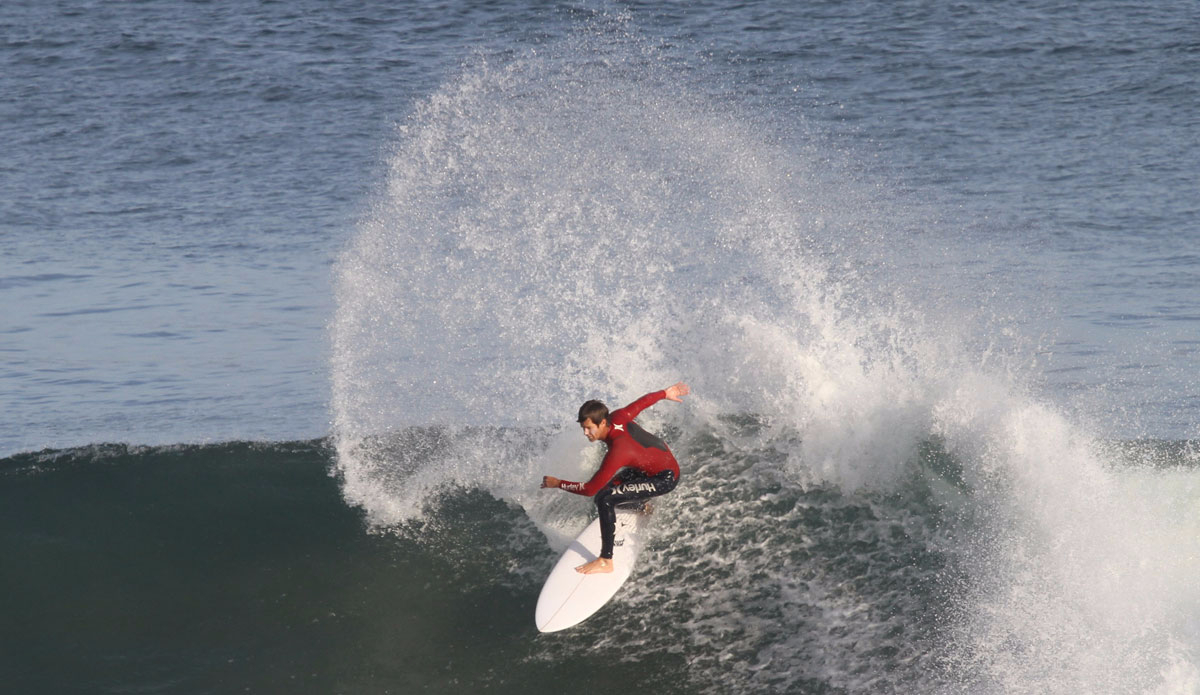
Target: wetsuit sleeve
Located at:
point(613, 462)
point(608, 469)
point(629, 412)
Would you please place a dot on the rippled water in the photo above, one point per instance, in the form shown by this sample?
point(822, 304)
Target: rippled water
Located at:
point(931, 270)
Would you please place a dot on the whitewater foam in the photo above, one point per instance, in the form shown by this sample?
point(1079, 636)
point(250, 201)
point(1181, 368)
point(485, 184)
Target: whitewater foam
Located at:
point(581, 223)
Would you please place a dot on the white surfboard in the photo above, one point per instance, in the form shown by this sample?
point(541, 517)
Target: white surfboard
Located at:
point(568, 597)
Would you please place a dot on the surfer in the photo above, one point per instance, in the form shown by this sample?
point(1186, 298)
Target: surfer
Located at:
point(638, 465)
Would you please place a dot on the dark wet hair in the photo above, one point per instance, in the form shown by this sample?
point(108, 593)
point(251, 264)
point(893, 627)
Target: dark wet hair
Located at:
point(595, 411)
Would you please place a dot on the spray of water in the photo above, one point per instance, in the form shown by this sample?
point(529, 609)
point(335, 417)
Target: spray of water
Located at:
point(585, 221)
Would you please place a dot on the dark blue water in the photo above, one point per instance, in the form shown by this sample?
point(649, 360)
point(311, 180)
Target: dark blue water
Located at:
point(932, 271)
point(178, 180)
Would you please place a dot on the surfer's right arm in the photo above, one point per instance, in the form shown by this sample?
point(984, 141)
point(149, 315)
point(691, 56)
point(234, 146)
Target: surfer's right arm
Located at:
point(577, 488)
point(608, 469)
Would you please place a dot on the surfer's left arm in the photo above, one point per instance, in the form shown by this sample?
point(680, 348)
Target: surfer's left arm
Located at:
point(674, 392)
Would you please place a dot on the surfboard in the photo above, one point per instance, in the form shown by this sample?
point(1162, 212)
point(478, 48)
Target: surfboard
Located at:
point(568, 597)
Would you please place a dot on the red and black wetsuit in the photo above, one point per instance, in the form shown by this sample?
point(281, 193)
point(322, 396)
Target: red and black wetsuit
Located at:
point(638, 465)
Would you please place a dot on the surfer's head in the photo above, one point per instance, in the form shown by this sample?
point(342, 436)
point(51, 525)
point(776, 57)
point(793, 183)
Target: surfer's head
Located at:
point(593, 418)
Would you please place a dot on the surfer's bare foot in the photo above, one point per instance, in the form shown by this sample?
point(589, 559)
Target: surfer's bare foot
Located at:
point(598, 566)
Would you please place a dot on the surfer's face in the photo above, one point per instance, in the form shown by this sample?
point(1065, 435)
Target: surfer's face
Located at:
point(593, 431)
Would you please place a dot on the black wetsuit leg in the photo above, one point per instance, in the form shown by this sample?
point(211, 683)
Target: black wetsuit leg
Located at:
point(628, 485)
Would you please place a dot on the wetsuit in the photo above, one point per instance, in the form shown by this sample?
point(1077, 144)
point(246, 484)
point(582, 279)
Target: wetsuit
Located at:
point(638, 465)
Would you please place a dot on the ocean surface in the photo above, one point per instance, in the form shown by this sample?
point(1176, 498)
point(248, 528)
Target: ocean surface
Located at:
point(300, 300)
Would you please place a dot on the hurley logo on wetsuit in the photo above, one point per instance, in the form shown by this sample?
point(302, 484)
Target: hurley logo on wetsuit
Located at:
point(633, 488)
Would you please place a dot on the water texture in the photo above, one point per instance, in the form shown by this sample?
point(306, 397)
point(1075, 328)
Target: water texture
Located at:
point(299, 302)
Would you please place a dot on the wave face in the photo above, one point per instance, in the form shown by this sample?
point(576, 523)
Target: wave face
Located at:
point(238, 566)
point(871, 501)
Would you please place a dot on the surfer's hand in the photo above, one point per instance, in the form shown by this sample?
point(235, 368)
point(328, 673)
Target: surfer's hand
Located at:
point(550, 481)
point(675, 392)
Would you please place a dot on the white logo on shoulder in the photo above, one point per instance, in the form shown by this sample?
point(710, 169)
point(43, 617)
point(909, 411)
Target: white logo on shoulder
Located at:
point(620, 428)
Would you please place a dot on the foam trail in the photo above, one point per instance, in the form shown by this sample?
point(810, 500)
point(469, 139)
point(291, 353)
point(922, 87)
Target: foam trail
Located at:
point(530, 246)
point(1084, 568)
point(578, 223)
point(583, 222)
